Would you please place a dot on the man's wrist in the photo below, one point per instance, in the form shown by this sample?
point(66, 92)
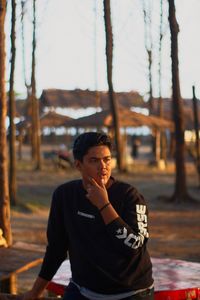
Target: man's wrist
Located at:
point(104, 206)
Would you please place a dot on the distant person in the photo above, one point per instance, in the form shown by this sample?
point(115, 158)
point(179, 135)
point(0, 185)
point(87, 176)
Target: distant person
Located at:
point(62, 147)
point(135, 147)
point(102, 224)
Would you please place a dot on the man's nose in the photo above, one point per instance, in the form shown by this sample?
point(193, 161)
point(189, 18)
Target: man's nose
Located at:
point(102, 163)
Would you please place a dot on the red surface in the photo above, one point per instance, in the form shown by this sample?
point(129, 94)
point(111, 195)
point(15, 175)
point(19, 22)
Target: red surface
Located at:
point(184, 294)
point(174, 279)
point(56, 288)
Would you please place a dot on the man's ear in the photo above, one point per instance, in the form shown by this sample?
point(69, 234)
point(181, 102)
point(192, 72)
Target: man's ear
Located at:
point(77, 164)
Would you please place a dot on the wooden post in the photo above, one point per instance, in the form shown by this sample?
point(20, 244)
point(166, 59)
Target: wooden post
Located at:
point(17, 297)
point(20, 141)
point(157, 147)
point(9, 285)
point(196, 127)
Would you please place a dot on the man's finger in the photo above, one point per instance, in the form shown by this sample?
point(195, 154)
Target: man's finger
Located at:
point(93, 181)
point(103, 183)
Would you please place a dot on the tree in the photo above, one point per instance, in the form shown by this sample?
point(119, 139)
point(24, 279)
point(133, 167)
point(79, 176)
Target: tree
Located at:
point(196, 128)
point(29, 105)
point(97, 94)
point(160, 103)
point(163, 142)
point(34, 100)
point(23, 3)
point(113, 103)
point(147, 10)
point(4, 190)
point(180, 193)
point(12, 129)
point(28, 86)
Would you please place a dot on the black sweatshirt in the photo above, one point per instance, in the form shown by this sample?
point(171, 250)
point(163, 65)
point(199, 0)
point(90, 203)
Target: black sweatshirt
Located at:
point(106, 259)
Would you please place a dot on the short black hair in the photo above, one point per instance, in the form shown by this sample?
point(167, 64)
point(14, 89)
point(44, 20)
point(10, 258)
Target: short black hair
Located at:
point(87, 140)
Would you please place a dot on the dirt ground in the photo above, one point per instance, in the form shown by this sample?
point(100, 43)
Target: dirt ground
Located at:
point(174, 228)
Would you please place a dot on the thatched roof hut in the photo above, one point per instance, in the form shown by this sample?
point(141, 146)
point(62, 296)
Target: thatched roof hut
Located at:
point(50, 119)
point(85, 98)
point(187, 110)
point(127, 118)
point(53, 119)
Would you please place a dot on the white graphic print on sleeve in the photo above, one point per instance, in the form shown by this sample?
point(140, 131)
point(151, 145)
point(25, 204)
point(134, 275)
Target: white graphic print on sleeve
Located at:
point(122, 233)
point(132, 240)
point(142, 220)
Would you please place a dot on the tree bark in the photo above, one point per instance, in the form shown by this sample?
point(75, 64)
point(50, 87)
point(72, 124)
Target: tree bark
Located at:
point(23, 2)
point(35, 105)
point(113, 103)
point(4, 189)
point(196, 128)
point(28, 86)
point(149, 47)
point(180, 193)
point(12, 109)
point(160, 102)
point(163, 144)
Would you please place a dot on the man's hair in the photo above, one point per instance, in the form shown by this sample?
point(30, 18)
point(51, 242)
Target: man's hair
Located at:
point(87, 140)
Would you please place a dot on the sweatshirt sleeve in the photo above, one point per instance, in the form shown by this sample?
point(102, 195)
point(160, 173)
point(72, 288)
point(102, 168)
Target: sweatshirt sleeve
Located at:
point(129, 232)
point(57, 242)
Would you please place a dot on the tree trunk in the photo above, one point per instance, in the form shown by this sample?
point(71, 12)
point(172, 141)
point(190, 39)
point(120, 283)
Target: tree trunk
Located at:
point(28, 86)
point(20, 142)
point(4, 190)
point(149, 52)
point(35, 104)
point(180, 193)
point(163, 144)
point(97, 94)
point(196, 128)
point(160, 103)
point(113, 103)
point(147, 12)
point(149, 47)
point(23, 2)
point(33, 92)
point(12, 132)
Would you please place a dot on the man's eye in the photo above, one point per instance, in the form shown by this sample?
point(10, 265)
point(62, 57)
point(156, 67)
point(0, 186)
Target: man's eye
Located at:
point(93, 160)
point(107, 160)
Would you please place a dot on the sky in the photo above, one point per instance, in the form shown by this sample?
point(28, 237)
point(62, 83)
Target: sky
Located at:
point(70, 49)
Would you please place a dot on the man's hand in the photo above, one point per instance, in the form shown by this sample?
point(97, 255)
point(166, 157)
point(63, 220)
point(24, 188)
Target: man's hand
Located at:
point(97, 193)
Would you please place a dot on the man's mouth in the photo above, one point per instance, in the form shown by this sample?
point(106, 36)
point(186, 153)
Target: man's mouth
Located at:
point(103, 175)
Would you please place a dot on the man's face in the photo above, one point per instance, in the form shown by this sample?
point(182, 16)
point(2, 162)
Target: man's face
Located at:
point(96, 164)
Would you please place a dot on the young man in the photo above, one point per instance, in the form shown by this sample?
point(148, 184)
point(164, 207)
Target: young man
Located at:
point(102, 224)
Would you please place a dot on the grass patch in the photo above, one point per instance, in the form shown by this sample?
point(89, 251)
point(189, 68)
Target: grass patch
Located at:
point(35, 188)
